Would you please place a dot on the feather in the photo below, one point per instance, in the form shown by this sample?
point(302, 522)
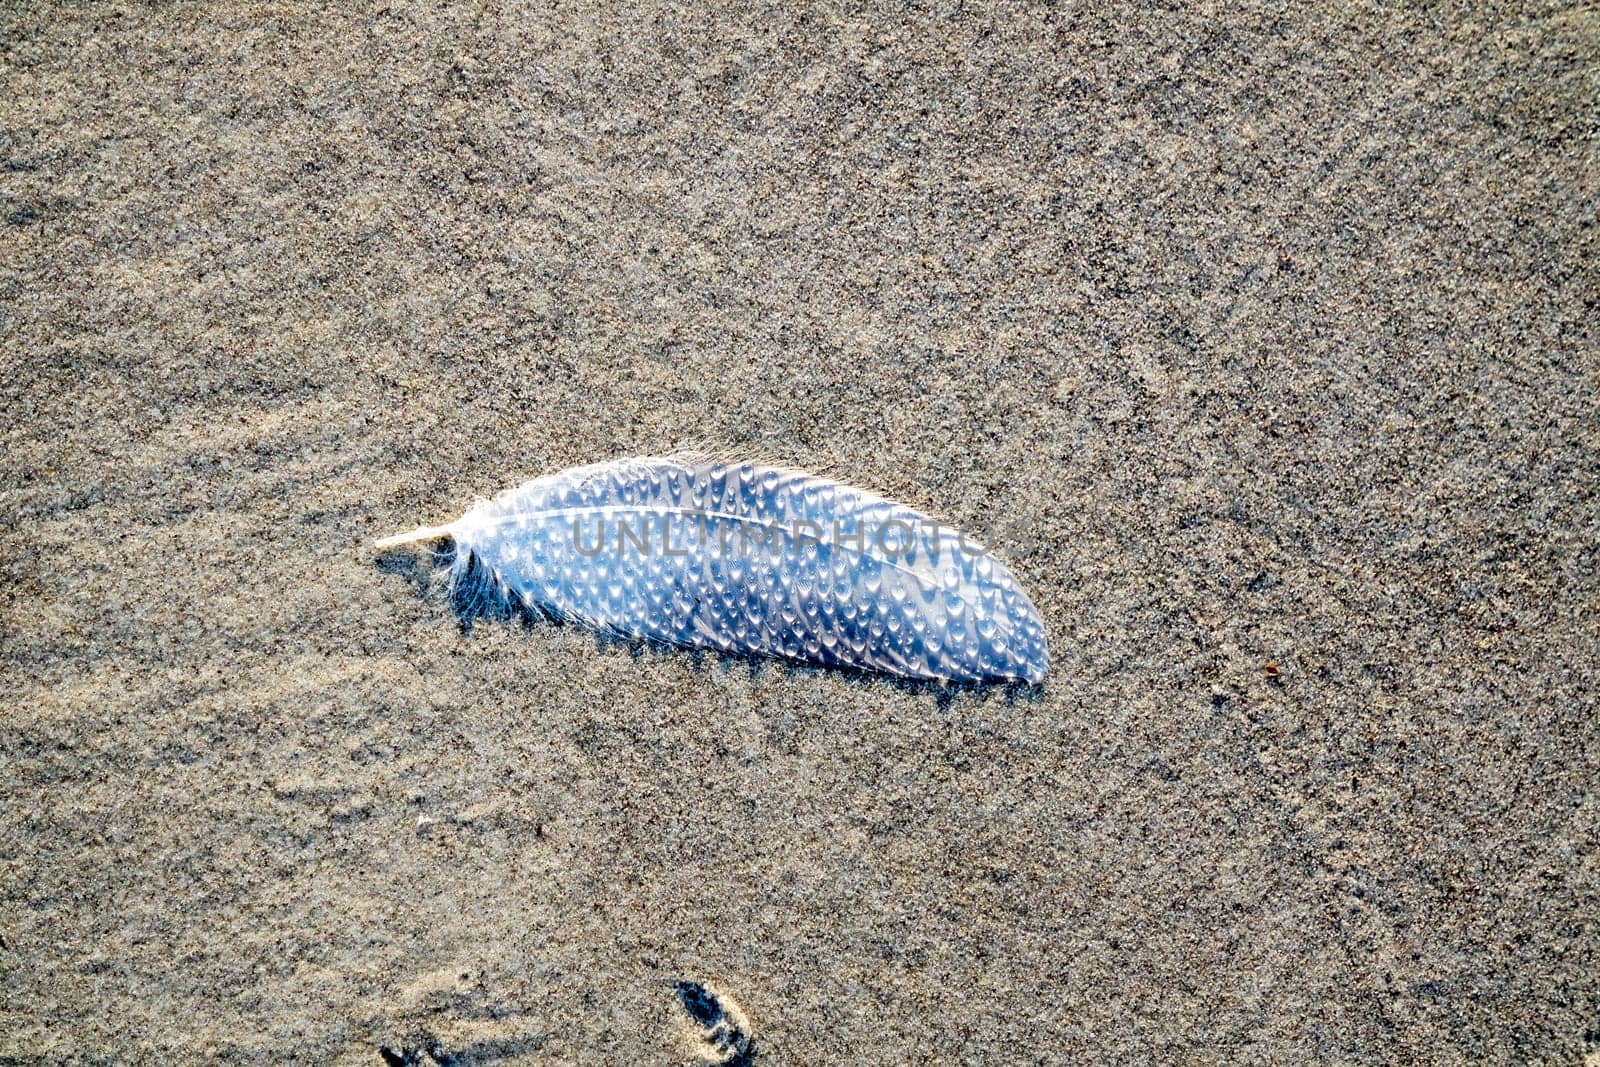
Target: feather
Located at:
point(746, 558)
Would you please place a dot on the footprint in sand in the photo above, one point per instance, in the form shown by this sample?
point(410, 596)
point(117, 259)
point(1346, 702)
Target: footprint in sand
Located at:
point(720, 1028)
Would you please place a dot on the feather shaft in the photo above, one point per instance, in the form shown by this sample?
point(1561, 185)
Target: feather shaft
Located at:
point(421, 533)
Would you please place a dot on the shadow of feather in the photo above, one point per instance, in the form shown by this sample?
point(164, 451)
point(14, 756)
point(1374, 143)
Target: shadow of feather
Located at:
point(407, 564)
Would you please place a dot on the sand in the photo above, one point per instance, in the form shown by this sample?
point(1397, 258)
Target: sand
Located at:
point(1259, 342)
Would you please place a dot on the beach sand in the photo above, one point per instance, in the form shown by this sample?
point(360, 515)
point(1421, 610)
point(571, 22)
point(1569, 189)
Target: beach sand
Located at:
point(1261, 345)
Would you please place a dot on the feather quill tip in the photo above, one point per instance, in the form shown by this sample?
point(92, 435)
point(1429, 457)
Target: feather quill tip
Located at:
point(421, 533)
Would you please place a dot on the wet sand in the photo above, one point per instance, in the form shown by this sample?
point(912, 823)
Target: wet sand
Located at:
point(1260, 346)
